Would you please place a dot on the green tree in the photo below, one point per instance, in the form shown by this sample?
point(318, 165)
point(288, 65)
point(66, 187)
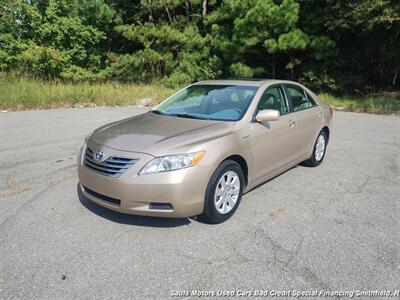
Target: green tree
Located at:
point(262, 38)
point(330, 45)
point(168, 45)
point(56, 43)
point(367, 36)
point(17, 28)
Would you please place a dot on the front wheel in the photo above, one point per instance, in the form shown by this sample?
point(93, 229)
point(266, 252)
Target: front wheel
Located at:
point(224, 192)
point(319, 150)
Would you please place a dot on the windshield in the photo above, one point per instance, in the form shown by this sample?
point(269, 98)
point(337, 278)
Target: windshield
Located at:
point(209, 102)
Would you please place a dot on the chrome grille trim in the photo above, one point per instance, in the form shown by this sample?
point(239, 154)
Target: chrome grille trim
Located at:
point(114, 166)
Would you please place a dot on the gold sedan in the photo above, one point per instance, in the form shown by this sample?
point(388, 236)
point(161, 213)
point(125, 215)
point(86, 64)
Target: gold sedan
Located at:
point(200, 149)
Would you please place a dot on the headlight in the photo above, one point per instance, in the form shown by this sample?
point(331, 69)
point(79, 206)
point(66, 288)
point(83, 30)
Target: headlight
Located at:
point(88, 137)
point(83, 148)
point(172, 162)
point(85, 141)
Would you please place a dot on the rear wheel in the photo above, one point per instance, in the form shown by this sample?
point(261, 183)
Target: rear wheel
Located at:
point(319, 150)
point(224, 192)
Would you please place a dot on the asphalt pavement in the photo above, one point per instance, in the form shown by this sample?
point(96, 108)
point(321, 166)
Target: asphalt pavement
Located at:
point(331, 228)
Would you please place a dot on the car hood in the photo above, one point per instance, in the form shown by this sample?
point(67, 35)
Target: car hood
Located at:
point(158, 134)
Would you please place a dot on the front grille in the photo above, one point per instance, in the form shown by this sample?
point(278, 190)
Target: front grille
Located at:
point(113, 166)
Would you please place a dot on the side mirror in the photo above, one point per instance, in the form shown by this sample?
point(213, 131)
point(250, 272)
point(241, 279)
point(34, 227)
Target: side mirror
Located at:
point(267, 115)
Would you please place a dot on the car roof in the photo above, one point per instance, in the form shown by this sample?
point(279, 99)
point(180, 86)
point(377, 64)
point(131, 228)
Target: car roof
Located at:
point(257, 82)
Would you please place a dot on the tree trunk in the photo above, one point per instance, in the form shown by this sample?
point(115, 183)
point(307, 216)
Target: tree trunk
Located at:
point(204, 8)
point(273, 67)
point(151, 19)
point(168, 13)
point(395, 77)
point(187, 11)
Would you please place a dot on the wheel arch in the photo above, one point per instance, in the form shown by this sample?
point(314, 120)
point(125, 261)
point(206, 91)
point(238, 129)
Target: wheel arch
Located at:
point(327, 132)
point(242, 163)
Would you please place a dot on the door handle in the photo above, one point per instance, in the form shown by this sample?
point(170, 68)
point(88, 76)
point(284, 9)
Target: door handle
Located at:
point(291, 123)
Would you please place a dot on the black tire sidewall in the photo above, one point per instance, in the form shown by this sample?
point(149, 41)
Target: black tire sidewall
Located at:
point(210, 212)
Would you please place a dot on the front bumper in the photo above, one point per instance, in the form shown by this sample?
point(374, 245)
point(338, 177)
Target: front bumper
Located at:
point(175, 194)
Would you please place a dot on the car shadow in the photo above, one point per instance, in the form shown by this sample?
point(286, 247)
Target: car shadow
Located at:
point(126, 218)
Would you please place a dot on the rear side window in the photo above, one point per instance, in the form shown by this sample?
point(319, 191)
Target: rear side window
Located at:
point(273, 98)
point(300, 99)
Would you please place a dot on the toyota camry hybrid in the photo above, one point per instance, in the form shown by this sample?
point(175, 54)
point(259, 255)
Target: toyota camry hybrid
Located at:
point(198, 151)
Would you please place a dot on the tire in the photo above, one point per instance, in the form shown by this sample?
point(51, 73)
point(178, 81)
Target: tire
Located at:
point(317, 157)
point(215, 211)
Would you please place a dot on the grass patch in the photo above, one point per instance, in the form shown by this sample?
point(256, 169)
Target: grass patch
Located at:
point(23, 93)
point(369, 104)
point(18, 93)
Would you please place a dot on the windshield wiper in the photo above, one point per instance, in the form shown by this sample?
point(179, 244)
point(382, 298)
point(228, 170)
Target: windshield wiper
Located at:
point(183, 115)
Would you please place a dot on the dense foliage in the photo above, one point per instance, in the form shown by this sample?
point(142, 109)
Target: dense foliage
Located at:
point(330, 45)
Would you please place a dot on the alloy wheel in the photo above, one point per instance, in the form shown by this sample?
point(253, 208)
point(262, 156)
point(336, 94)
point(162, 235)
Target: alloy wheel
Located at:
point(227, 192)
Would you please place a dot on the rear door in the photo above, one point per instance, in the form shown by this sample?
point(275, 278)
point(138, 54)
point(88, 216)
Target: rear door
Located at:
point(273, 142)
point(308, 117)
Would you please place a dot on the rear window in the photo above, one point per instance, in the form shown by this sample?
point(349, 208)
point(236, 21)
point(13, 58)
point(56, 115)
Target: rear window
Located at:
point(299, 98)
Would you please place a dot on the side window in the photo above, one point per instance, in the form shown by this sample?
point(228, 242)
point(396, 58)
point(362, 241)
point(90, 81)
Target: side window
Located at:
point(273, 98)
point(299, 98)
point(311, 99)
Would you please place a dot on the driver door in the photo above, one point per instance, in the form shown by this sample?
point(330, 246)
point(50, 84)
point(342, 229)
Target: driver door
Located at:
point(273, 142)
